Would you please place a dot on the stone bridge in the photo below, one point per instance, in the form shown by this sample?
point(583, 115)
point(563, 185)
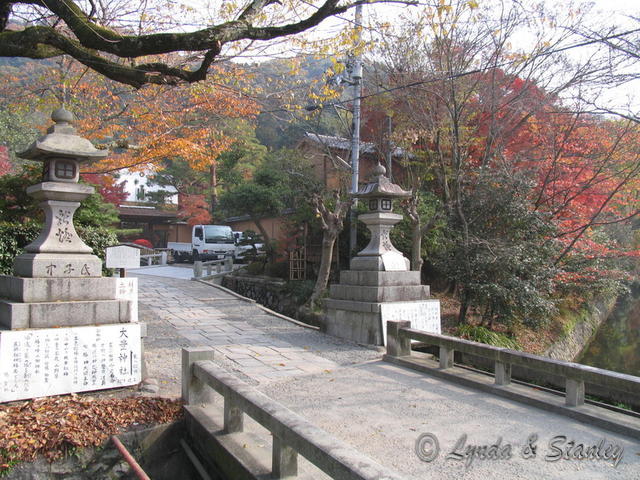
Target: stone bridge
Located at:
point(375, 403)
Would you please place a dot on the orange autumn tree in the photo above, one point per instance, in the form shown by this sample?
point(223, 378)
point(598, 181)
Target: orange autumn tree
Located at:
point(487, 130)
point(144, 128)
point(587, 173)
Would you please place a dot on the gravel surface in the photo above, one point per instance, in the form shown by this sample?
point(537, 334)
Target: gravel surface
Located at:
point(381, 409)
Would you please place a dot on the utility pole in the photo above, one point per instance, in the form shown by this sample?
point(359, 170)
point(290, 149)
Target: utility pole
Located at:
point(389, 150)
point(356, 77)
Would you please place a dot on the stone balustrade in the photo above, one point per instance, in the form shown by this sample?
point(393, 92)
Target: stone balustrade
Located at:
point(223, 265)
point(400, 336)
point(291, 434)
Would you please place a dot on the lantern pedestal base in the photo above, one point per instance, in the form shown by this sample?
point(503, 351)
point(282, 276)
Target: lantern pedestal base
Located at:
point(57, 265)
point(361, 304)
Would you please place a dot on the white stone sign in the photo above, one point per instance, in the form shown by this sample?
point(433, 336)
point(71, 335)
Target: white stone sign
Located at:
point(127, 289)
point(423, 315)
point(394, 262)
point(54, 361)
point(122, 257)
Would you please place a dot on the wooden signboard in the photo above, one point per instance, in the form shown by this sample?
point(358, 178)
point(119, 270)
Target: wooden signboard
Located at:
point(122, 257)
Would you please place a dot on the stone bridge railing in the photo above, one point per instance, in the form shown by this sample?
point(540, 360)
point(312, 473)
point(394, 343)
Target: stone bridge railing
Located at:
point(291, 434)
point(158, 258)
point(400, 335)
point(223, 265)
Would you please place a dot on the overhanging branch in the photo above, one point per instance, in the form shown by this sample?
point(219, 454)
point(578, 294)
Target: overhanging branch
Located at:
point(100, 48)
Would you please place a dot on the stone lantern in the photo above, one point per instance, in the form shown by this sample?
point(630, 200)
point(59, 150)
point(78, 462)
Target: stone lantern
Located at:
point(59, 251)
point(379, 285)
point(65, 327)
point(380, 254)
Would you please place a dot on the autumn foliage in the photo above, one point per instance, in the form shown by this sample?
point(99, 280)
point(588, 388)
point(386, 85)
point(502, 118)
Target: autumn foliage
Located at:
point(143, 128)
point(55, 425)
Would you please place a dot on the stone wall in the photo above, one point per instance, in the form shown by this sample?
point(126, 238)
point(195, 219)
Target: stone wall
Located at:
point(156, 449)
point(266, 291)
point(571, 345)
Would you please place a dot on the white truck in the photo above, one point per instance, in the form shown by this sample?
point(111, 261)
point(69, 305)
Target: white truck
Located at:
point(208, 242)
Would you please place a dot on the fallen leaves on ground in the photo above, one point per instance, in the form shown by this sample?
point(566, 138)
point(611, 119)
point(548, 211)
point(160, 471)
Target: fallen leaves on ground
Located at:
point(52, 426)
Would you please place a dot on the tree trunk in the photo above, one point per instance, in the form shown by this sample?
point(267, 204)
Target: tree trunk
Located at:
point(267, 240)
point(328, 241)
point(464, 306)
point(416, 247)
point(213, 187)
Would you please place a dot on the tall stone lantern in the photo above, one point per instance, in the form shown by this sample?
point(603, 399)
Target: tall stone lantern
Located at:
point(59, 251)
point(380, 254)
point(63, 326)
point(380, 285)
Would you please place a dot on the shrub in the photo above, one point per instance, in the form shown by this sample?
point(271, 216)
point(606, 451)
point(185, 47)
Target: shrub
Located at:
point(277, 269)
point(255, 268)
point(98, 238)
point(299, 290)
point(15, 236)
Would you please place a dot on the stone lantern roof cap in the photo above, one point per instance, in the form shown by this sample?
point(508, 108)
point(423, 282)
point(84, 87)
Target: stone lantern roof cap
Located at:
point(380, 186)
point(61, 140)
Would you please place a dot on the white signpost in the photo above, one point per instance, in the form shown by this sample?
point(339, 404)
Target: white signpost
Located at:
point(424, 315)
point(37, 363)
point(122, 256)
point(127, 289)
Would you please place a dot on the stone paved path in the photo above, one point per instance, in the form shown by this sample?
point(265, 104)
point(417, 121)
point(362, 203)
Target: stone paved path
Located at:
point(257, 345)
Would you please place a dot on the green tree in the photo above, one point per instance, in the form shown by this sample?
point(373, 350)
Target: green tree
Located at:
point(15, 133)
point(503, 263)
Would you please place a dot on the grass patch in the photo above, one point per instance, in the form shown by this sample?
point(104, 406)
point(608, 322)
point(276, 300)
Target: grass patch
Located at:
point(481, 334)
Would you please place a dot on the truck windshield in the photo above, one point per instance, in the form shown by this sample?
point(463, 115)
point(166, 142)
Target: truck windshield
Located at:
point(218, 234)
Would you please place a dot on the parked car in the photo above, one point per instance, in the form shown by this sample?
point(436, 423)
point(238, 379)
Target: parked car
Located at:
point(249, 245)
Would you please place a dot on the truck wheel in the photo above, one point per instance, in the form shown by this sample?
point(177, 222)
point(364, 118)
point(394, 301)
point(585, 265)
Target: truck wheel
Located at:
point(196, 256)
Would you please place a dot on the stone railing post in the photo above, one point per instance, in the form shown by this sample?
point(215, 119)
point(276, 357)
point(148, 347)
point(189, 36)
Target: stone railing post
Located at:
point(233, 414)
point(193, 390)
point(502, 372)
point(397, 346)
point(575, 392)
point(163, 258)
point(446, 357)
point(229, 264)
point(284, 460)
point(197, 269)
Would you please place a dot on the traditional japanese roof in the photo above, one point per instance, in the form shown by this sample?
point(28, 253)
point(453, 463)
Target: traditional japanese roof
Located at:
point(132, 213)
point(61, 140)
point(344, 144)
